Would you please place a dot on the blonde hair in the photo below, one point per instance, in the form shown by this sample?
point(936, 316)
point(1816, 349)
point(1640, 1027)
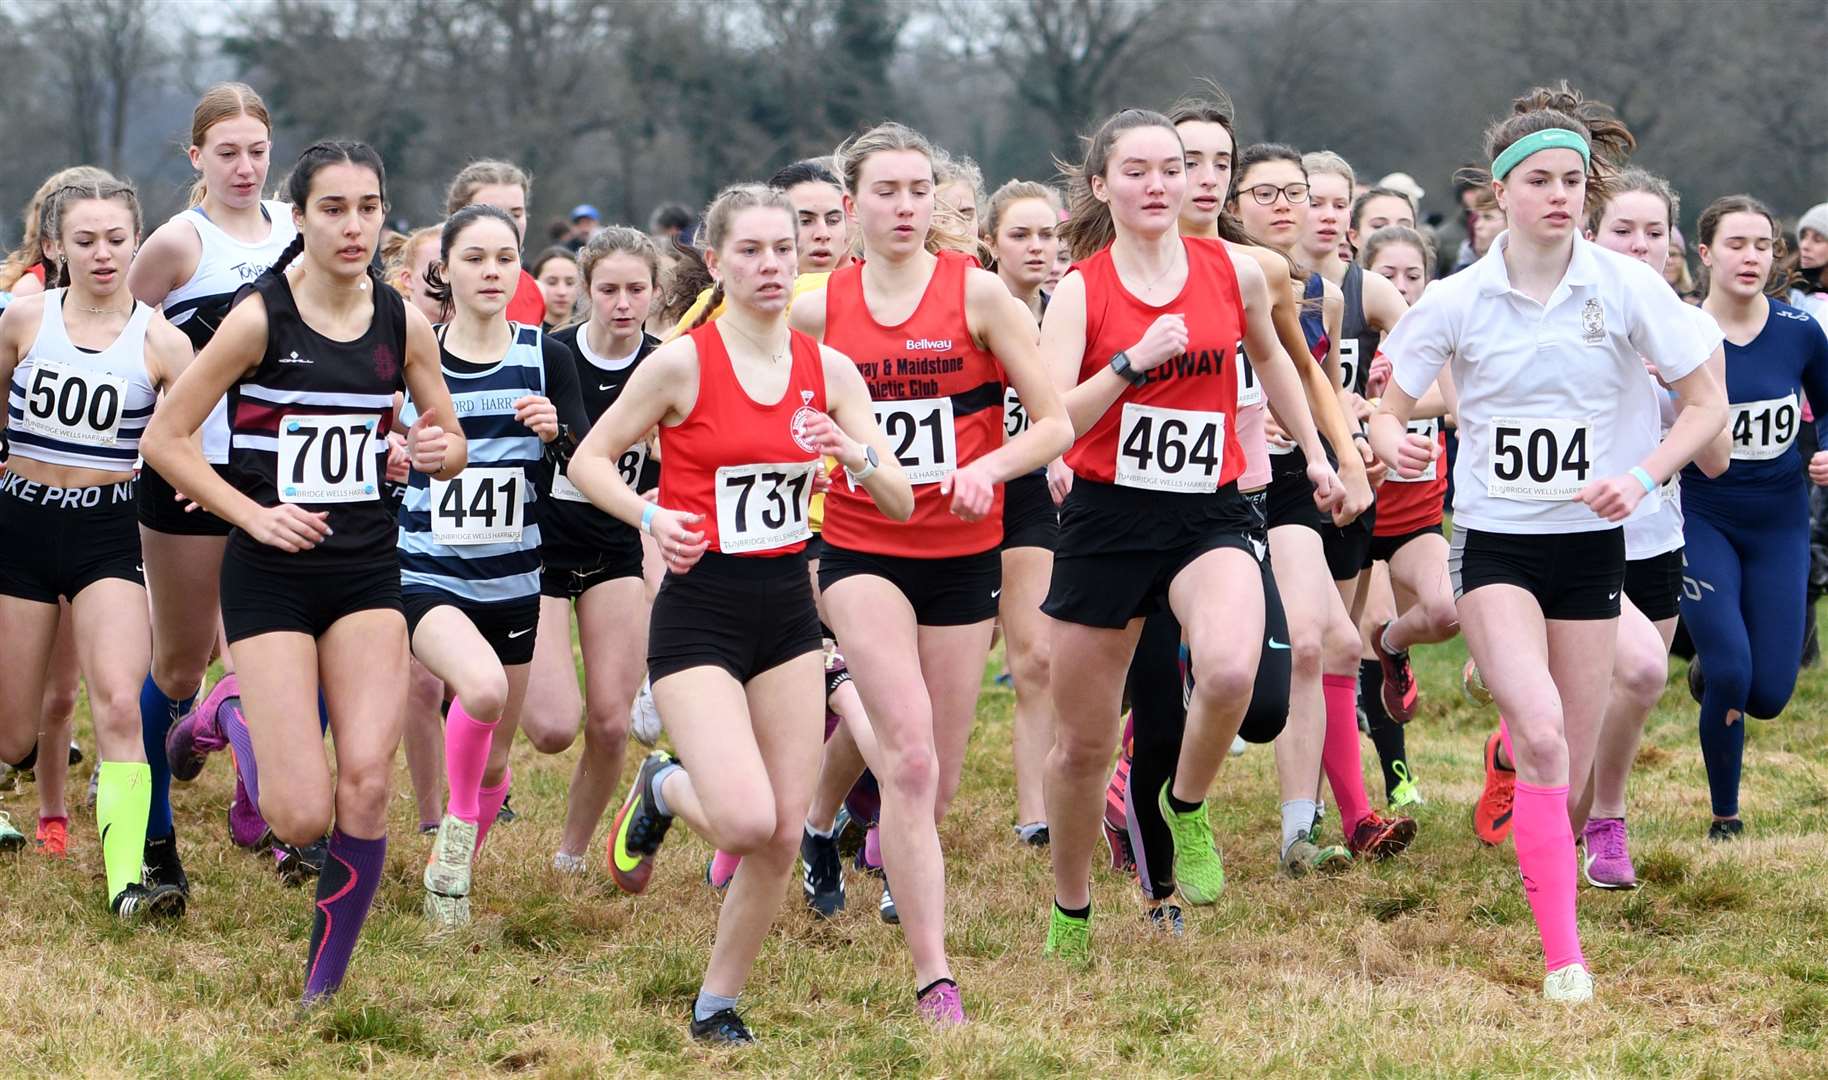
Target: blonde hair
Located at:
point(717, 218)
point(30, 251)
point(618, 240)
point(946, 232)
point(1014, 192)
point(1326, 161)
point(223, 101)
point(397, 254)
point(1398, 234)
point(481, 174)
point(1089, 229)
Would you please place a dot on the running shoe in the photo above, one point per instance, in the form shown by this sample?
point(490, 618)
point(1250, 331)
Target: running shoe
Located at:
point(644, 718)
point(138, 903)
point(1117, 817)
point(76, 753)
point(1332, 859)
point(1472, 684)
point(1005, 680)
point(199, 734)
point(823, 880)
point(1379, 837)
point(638, 829)
point(1034, 834)
point(95, 781)
point(1492, 813)
point(722, 1028)
point(1571, 985)
point(11, 839)
point(1697, 683)
point(53, 836)
point(940, 1005)
point(1197, 869)
point(161, 865)
point(720, 869)
point(1068, 937)
point(886, 906)
point(297, 865)
point(1607, 864)
point(1399, 692)
point(567, 864)
point(506, 815)
point(447, 869)
point(1238, 746)
point(446, 912)
point(246, 827)
point(1721, 832)
point(869, 856)
point(1405, 794)
point(1301, 859)
point(1168, 919)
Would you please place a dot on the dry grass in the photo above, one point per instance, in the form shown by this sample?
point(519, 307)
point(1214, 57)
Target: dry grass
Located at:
point(1425, 966)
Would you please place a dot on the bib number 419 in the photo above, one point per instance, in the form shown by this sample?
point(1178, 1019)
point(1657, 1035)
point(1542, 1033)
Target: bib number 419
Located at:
point(1539, 459)
point(1178, 450)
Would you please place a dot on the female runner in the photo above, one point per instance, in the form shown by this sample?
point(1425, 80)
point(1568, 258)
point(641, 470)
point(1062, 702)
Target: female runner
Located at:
point(556, 270)
point(746, 408)
point(311, 359)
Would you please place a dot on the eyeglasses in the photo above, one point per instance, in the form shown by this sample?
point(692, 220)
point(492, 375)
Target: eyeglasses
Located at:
point(1265, 194)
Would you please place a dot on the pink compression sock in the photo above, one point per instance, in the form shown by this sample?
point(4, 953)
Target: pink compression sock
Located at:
point(1340, 755)
point(1545, 854)
point(466, 754)
point(488, 804)
point(1504, 740)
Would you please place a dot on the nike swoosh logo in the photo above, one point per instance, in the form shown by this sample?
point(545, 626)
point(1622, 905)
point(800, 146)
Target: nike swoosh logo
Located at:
point(994, 593)
point(626, 861)
point(1612, 596)
point(607, 386)
point(519, 633)
point(1274, 644)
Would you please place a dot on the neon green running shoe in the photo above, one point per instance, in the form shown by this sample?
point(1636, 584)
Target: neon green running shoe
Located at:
point(11, 839)
point(1196, 858)
point(1068, 938)
point(1405, 794)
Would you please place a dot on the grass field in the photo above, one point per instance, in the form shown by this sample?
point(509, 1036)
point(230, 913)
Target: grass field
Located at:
point(1427, 965)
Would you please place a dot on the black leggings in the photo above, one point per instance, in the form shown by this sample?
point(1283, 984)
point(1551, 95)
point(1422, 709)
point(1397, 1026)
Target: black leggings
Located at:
point(1159, 716)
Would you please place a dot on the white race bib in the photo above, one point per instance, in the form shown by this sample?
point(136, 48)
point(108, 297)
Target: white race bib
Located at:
point(1178, 450)
point(479, 506)
point(630, 464)
point(922, 434)
point(1015, 417)
point(1348, 363)
point(763, 506)
point(328, 459)
point(1430, 427)
point(1763, 430)
point(72, 405)
point(563, 488)
point(1250, 391)
point(1538, 459)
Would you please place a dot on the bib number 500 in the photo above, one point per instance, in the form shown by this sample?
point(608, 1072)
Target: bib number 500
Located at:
point(73, 405)
point(328, 459)
point(763, 506)
point(1539, 460)
point(1177, 450)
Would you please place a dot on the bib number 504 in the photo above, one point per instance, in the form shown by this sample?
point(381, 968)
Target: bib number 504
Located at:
point(1539, 459)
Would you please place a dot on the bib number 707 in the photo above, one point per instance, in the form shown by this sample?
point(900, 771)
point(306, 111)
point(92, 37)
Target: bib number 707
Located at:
point(328, 459)
point(1537, 459)
point(1177, 450)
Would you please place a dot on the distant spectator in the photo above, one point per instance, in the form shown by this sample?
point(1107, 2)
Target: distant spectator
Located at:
point(585, 221)
point(671, 223)
point(1676, 270)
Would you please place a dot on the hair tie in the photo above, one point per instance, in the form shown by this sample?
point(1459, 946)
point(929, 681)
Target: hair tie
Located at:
point(1546, 139)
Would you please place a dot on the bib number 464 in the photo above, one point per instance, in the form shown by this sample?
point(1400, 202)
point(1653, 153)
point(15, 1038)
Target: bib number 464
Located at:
point(1177, 450)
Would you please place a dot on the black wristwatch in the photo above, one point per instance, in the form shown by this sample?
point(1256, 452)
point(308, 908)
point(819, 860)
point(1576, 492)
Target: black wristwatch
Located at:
point(1121, 365)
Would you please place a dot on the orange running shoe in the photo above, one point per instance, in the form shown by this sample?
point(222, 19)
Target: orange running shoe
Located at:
point(1379, 837)
point(1492, 814)
point(54, 837)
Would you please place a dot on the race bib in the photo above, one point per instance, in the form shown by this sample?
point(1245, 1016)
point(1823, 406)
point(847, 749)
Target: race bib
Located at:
point(763, 506)
point(328, 459)
point(630, 464)
point(922, 434)
point(563, 488)
point(1430, 427)
point(1177, 450)
point(1537, 459)
point(1250, 391)
point(479, 506)
point(1349, 364)
point(73, 405)
point(1015, 417)
point(1763, 430)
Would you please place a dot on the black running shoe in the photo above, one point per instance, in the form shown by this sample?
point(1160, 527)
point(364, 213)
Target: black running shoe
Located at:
point(823, 880)
point(506, 815)
point(722, 1028)
point(297, 865)
point(1167, 918)
point(1721, 832)
point(1697, 684)
point(162, 865)
point(138, 903)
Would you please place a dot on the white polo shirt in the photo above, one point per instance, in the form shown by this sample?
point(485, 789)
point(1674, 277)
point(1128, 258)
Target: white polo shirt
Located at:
point(1552, 395)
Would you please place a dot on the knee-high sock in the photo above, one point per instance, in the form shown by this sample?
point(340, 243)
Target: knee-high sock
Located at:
point(488, 804)
point(1340, 755)
point(466, 755)
point(157, 714)
point(1387, 735)
point(234, 725)
point(1157, 726)
point(1545, 854)
point(345, 892)
point(123, 796)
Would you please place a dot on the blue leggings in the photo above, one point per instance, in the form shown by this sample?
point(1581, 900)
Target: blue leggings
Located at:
point(1742, 600)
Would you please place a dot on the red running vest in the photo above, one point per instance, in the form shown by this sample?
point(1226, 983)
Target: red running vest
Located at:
point(1176, 433)
point(938, 398)
point(745, 467)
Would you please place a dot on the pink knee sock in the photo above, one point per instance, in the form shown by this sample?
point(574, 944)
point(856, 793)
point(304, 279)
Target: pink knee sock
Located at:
point(1504, 740)
point(1545, 854)
point(1340, 754)
point(488, 804)
point(466, 754)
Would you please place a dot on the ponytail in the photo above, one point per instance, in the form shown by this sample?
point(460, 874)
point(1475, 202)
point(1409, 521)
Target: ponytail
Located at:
point(291, 252)
point(711, 303)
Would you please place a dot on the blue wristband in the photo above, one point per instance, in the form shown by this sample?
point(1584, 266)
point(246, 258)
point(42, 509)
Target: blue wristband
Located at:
point(1650, 485)
point(647, 518)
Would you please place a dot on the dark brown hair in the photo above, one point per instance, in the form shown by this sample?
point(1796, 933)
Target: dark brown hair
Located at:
point(1782, 278)
point(1090, 229)
point(1609, 141)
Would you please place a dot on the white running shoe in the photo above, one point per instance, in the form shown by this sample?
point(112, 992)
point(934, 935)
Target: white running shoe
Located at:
point(1238, 746)
point(568, 864)
point(447, 872)
point(644, 718)
point(1571, 985)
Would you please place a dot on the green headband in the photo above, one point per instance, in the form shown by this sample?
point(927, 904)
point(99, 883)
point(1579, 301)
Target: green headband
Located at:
point(1546, 139)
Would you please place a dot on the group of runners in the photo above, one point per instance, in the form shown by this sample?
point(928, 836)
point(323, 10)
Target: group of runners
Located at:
point(1180, 435)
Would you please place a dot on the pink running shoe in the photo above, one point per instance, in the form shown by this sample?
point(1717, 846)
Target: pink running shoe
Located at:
point(721, 869)
point(246, 826)
point(197, 735)
point(941, 1005)
point(1607, 864)
point(869, 856)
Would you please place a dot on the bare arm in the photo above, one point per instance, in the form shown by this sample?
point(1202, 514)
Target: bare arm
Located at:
point(850, 426)
point(167, 260)
point(169, 443)
point(434, 449)
point(1008, 331)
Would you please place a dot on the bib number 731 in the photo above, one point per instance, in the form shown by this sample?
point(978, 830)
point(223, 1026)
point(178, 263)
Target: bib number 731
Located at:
point(760, 507)
point(1178, 450)
point(1537, 459)
point(328, 459)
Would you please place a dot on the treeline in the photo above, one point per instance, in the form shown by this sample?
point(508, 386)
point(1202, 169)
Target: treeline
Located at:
point(628, 103)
